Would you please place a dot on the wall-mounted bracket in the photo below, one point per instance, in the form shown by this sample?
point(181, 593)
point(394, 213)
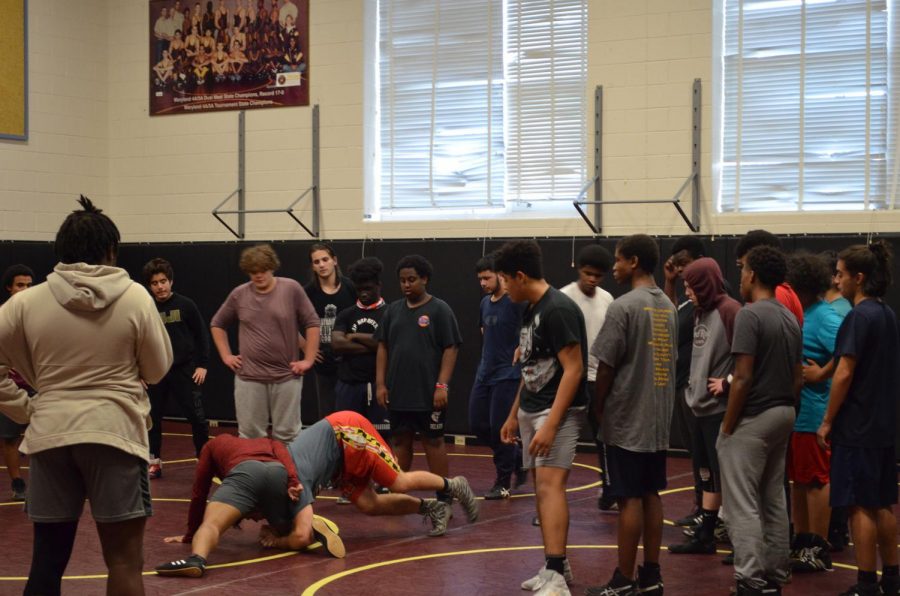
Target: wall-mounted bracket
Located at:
point(693, 179)
point(242, 210)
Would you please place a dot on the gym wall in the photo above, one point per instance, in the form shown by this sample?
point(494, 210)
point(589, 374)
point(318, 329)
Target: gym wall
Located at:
point(206, 272)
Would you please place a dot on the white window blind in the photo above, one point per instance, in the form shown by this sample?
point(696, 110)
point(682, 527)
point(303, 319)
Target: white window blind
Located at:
point(804, 105)
point(480, 104)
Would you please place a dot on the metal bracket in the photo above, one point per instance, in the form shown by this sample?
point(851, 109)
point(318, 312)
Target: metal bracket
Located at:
point(693, 179)
point(241, 210)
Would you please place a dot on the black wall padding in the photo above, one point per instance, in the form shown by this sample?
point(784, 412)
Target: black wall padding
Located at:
point(206, 272)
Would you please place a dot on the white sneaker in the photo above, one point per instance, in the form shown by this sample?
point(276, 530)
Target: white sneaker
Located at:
point(534, 584)
point(552, 584)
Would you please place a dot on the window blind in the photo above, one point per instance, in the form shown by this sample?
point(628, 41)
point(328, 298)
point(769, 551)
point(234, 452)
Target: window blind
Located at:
point(480, 102)
point(804, 106)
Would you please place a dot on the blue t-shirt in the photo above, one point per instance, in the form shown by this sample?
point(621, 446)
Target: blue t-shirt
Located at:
point(820, 326)
point(500, 321)
point(868, 417)
point(842, 306)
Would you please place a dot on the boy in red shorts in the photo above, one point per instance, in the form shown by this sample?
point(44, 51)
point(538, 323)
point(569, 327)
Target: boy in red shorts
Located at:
point(345, 448)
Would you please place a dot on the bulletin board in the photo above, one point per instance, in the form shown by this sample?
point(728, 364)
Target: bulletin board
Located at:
point(14, 69)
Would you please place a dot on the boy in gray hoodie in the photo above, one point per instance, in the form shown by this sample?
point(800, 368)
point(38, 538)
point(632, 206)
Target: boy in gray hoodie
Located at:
point(711, 362)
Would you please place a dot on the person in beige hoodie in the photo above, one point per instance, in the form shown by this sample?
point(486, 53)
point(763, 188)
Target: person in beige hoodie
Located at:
point(84, 339)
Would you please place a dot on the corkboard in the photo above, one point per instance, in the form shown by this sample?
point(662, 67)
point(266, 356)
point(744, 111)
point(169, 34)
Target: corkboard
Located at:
point(13, 69)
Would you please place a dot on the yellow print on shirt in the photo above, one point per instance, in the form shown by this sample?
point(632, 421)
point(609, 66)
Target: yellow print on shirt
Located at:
point(661, 343)
point(356, 438)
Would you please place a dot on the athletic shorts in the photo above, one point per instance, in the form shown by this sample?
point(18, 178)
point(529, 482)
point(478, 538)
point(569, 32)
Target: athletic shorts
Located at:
point(863, 476)
point(704, 455)
point(428, 424)
point(60, 479)
point(367, 458)
point(259, 487)
point(562, 452)
point(633, 474)
point(10, 429)
point(807, 462)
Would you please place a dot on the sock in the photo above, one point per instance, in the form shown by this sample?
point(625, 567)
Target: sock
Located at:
point(556, 563)
point(202, 560)
point(707, 530)
point(866, 577)
point(891, 570)
point(651, 566)
point(444, 494)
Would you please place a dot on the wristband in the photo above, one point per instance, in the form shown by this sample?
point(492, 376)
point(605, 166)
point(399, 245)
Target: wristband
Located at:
point(443, 386)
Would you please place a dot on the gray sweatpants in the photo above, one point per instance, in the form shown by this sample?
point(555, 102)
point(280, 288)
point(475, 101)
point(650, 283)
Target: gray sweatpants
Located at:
point(752, 467)
point(256, 403)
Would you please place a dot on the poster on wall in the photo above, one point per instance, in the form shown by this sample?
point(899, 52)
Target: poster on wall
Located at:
point(228, 55)
point(14, 70)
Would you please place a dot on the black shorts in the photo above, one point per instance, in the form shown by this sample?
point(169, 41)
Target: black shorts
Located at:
point(863, 477)
point(428, 424)
point(704, 456)
point(633, 474)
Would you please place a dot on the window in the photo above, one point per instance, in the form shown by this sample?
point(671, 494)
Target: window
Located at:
point(480, 107)
point(804, 105)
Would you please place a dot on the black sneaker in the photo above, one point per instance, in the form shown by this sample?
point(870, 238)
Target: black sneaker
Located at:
point(536, 521)
point(811, 559)
point(694, 546)
point(18, 489)
point(605, 503)
point(193, 566)
point(328, 538)
point(619, 585)
point(720, 533)
point(744, 589)
point(496, 493)
point(649, 581)
point(862, 589)
point(889, 585)
point(692, 519)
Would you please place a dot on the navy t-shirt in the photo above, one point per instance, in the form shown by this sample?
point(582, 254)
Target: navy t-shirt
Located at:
point(868, 416)
point(416, 339)
point(500, 322)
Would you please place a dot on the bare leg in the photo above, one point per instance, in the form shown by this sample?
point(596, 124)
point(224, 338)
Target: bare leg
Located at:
point(123, 552)
point(436, 454)
point(630, 529)
point(865, 533)
point(402, 445)
point(887, 535)
point(553, 508)
point(392, 504)
point(416, 480)
point(217, 519)
point(653, 527)
point(11, 457)
point(818, 509)
point(800, 508)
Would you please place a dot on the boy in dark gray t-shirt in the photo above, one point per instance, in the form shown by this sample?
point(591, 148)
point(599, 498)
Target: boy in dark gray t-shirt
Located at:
point(767, 378)
point(635, 391)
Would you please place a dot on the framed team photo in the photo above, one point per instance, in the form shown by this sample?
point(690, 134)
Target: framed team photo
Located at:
point(228, 55)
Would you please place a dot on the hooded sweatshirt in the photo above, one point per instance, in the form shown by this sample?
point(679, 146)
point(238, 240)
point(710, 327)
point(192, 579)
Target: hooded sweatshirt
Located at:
point(84, 339)
point(713, 329)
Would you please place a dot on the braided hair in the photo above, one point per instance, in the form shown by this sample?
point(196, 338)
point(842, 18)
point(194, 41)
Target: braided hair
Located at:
point(87, 236)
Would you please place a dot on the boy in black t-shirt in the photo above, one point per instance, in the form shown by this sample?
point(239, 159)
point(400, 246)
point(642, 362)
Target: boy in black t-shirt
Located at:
point(417, 345)
point(353, 339)
point(861, 416)
point(190, 346)
point(549, 410)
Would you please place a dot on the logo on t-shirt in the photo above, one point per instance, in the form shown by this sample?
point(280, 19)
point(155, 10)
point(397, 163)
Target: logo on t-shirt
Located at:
point(424, 321)
point(701, 334)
